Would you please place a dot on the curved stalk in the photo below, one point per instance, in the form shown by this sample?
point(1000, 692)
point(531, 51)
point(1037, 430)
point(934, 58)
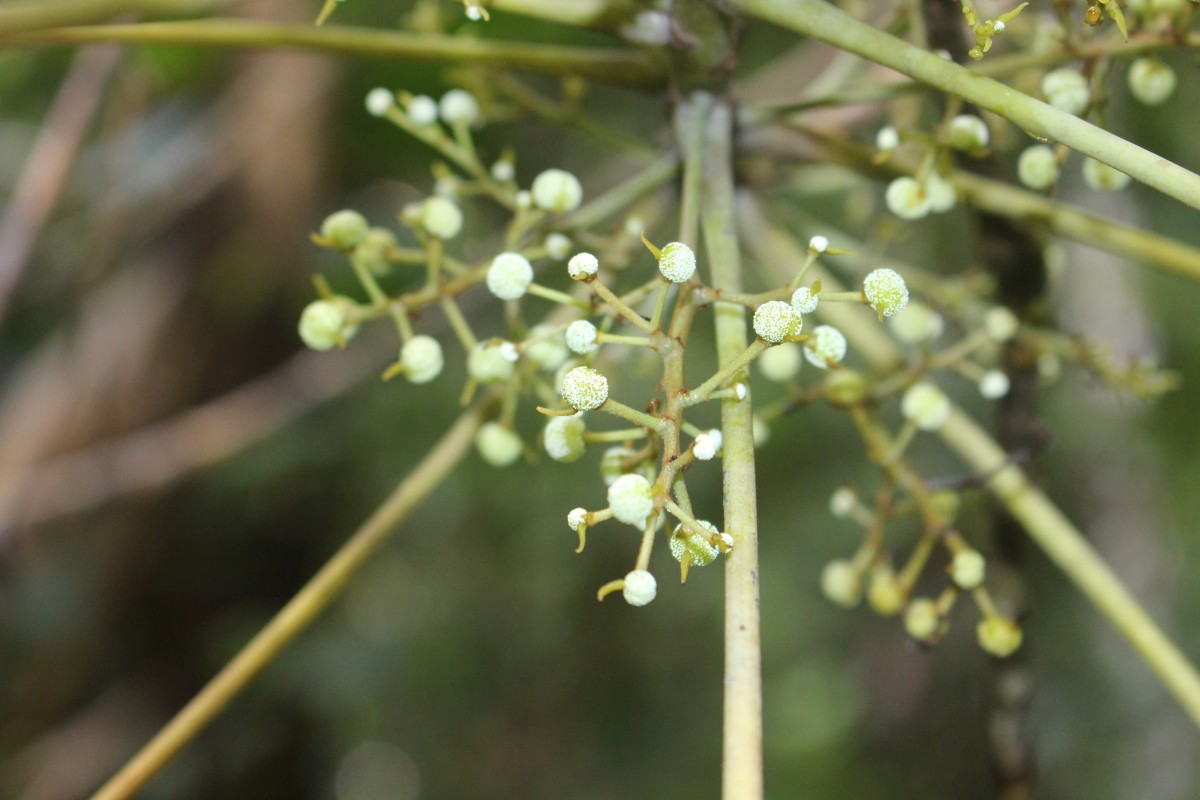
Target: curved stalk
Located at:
point(300, 611)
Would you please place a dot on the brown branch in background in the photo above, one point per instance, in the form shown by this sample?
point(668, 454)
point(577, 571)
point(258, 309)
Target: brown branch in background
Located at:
point(159, 454)
point(50, 162)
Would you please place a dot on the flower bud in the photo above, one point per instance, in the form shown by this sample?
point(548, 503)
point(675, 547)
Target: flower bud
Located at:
point(885, 594)
point(826, 345)
point(702, 551)
point(547, 351)
point(887, 139)
point(422, 110)
point(497, 444)
point(563, 438)
point(583, 265)
point(998, 636)
point(926, 406)
point(919, 323)
point(781, 363)
point(921, 618)
point(581, 337)
point(613, 465)
point(940, 193)
point(422, 359)
point(491, 362)
point(372, 250)
point(441, 217)
point(841, 583)
point(1000, 324)
point(843, 502)
point(704, 447)
point(776, 320)
point(584, 388)
point(640, 588)
point(556, 190)
point(631, 499)
point(845, 387)
point(885, 292)
point(993, 385)
point(458, 106)
point(1102, 177)
point(575, 518)
point(1151, 81)
point(967, 569)
point(1037, 167)
point(967, 132)
point(343, 229)
point(557, 246)
point(380, 101)
point(509, 276)
point(804, 301)
point(818, 245)
point(677, 262)
point(1067, 90)
point(321, 324)
point(906, 198)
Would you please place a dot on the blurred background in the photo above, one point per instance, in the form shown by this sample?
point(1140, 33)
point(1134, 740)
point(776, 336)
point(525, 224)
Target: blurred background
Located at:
point(173, 467)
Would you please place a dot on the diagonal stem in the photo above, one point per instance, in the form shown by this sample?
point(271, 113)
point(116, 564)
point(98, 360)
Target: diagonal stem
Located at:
point(301, 610)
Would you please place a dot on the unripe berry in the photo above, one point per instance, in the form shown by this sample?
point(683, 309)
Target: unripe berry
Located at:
point(556, 190)
point(1151, 81)
point(677, 262)
point(584, 388)
point(921, 618)
point(967, 132)
point(498, 445)
point(422, 359)
point(458, 105)
point(1037, 167)
point(640, 588)
point(885, 292)
point(1067, 90)
point(380, 101)
point(613, 465)
point(998, 636)
point(804, 301)
point(781, 363)
point(441, 217)
point(926, 406)
point(422, 110)
point(841, 583)
point(321, 324)
point(906, 198)
point(776, 320)
point(703, 552)
point(826, 345)
point(1102, 177)
point(491, 362)
point(631, 499)
point(583, 265)
point(563, 438)
point(343, 229)
point(967, 569)
point(581, 337)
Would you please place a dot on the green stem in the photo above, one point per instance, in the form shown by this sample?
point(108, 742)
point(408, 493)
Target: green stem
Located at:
point(1067, 548)
point(741, 772)
point(599, 64)
point(728, 370)
point(628, 414)
point(826, 23)
point(298, 614)
point(31, 17)
point(546, 293)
